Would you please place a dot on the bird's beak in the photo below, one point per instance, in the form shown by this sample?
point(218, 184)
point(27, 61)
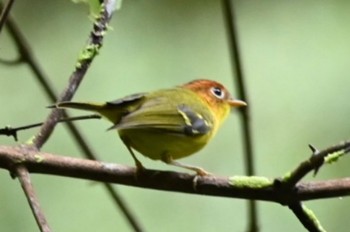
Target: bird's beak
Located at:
point(237, 103)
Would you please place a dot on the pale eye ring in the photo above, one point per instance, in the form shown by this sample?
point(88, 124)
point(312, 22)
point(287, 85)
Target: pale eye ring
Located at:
point(218, 92)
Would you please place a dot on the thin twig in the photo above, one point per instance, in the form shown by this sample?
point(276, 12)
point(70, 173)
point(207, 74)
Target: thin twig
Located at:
point(24, 178)
point(10, 131)
point(228, 9)
point(27, 56)
point(13, 62)
point(123, 206)
point(5, 13)
point(306, 217)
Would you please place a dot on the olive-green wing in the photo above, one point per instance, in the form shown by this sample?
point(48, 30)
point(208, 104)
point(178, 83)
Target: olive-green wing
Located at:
point(165, 116)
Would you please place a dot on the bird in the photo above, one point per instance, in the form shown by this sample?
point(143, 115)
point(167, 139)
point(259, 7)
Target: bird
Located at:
point(167, 124)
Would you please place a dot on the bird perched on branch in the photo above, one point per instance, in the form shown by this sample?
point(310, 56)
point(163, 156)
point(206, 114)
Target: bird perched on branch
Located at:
point(167, 124)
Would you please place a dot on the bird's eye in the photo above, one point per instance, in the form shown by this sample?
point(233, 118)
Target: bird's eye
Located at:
point(218, 92)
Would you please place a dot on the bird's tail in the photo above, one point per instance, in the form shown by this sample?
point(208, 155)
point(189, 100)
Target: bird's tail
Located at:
point(94, 107)
point(110, 112)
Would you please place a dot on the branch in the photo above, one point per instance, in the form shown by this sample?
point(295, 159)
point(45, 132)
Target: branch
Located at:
point(253, 188)
point(5, 13)
point(24, 178)
point(306, 217)
point(87, 55)
point(289, 182)
point(26, 55)
point(123, 206)
point(228, 10)
point(21, 171)
point(316, 160)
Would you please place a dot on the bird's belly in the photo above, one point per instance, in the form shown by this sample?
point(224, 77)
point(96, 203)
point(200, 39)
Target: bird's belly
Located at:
point(155, 144)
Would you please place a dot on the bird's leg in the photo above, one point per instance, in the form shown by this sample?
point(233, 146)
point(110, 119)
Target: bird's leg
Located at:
point(169, 160)
point(138, 164)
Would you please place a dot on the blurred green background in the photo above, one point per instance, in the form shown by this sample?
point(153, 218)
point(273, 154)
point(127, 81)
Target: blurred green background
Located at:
point(296, 57)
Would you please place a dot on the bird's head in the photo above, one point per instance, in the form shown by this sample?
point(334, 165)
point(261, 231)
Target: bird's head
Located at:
point(219, 99)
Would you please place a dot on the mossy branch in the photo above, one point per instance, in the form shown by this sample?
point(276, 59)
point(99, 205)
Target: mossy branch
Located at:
point(256, 188)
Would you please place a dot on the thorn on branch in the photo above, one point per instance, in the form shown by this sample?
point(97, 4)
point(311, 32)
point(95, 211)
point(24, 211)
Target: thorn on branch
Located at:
point(313, 149)
point(315, 152)
point(317, 159)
